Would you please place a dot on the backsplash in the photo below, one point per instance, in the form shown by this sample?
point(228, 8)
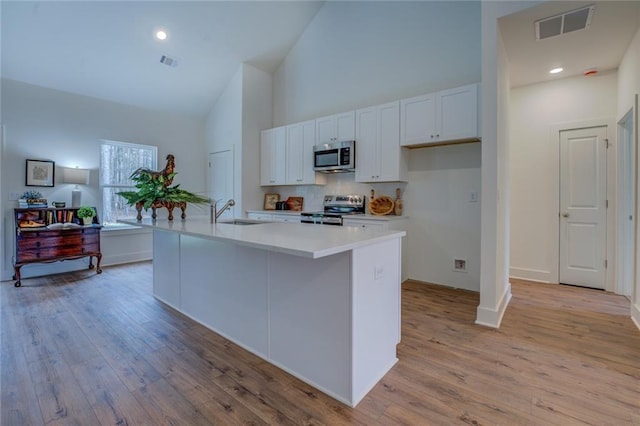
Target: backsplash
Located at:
point(341, 183)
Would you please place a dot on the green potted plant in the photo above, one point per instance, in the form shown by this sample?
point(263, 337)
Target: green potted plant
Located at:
point(86, 213)
point(154, 191)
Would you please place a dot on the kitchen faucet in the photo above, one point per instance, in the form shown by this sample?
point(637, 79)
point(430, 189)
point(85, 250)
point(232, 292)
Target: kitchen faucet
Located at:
point(215, 213)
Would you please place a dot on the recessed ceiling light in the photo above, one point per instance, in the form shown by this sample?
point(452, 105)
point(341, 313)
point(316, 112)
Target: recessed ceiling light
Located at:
point(555, 71)
point(161, 35)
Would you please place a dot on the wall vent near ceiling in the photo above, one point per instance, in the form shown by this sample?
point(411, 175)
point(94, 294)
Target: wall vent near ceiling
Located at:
point(169, 61)
point(567, 22)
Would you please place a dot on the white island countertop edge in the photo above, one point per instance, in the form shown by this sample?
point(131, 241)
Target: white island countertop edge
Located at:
point(298, 239)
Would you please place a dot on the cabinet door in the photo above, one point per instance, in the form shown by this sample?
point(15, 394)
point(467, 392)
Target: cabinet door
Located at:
point(335, 128)
point(346, 126)
point(418, 120)
point(325, 130)
point(286, 218)
point(260, 216)
point(301, 138)
point(379, 157)
point(379, 225)
point(272, 156)
point(457, 113)
point(392, 159)
point(367, 150)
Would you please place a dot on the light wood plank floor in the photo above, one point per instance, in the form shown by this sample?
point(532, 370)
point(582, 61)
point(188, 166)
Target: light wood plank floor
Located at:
point(92, 349)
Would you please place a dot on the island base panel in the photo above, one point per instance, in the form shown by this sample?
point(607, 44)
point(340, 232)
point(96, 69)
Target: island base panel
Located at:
point(304, 315)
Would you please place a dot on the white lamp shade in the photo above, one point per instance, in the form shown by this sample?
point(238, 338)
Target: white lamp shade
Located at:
point(77, 176)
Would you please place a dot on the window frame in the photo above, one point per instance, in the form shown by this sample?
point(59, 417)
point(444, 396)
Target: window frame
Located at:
point(120, 186)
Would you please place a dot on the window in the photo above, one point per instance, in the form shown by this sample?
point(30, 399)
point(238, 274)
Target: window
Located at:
point(118, 160)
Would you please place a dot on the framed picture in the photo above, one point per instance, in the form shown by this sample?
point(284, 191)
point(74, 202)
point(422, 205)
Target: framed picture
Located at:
point(40, 173)
point(270, 201)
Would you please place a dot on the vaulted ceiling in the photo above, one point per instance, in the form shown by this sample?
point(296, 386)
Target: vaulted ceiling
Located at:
point(108, 50)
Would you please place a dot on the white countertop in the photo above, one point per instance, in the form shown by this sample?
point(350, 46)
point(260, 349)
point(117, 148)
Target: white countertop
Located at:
point(307, 240)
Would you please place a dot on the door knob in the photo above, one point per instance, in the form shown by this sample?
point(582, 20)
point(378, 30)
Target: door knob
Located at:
point(565, 214)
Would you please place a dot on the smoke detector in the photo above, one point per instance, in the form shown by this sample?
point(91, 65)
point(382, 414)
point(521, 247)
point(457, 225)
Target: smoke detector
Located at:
point(169, 61)
point(567, 22)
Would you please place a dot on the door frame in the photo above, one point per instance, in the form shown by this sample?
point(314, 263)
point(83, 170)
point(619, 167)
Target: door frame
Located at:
point(612, 172)
point(627, 181)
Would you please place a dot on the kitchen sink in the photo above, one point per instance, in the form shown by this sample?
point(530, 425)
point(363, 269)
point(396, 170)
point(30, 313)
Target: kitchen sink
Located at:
point(241, 222)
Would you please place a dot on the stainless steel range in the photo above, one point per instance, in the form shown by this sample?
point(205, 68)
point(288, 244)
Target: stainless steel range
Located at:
point(335, 207)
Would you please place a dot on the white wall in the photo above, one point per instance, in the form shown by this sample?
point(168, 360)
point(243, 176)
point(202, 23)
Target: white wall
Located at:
point(47, 124)
point(629, 77)
point(495, 290)
point(357, 54)
point(257, 107)
point(535, 111)
point(628, 88)
point(243, 109)
point(224, 130)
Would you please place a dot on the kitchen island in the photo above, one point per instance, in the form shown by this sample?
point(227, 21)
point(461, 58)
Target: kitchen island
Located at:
point(320, 302)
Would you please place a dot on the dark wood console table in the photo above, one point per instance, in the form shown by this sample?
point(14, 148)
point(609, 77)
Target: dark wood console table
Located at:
point(45, 235)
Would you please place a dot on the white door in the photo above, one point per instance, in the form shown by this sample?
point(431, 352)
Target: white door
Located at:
point(583, 210)
point(221, 179)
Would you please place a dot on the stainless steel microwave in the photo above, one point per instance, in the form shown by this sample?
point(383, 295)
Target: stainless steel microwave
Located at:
point(335, 157)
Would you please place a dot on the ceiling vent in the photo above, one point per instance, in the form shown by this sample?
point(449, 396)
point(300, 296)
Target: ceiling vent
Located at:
point(169, 61)
point(567, 22)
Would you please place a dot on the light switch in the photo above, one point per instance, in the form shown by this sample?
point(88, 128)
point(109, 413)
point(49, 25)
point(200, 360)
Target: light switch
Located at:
point(473, 197)
point(378, 272)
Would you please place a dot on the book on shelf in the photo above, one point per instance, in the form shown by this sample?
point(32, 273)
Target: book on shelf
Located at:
point(32, 203)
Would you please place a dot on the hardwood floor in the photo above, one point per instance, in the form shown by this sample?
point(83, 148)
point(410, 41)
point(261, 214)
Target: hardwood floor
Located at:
point(92, 349)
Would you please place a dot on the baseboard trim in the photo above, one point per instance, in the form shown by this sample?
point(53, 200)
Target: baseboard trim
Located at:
point(493, 317)
point(120, 259)
point(530, 275)
point(635, 315)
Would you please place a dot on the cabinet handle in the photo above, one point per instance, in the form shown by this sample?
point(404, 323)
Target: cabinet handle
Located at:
point(431, 136)
point(438, 135)
point(298, 180)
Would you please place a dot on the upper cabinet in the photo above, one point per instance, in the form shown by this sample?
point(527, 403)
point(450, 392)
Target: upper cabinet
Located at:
point(301, 137)
point(338, 127)
point(379, 157)
point(286, 155)
point(272, 156)
point(446, 116)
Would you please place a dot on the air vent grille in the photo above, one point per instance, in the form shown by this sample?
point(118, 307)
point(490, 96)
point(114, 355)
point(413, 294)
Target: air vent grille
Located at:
point(567, 22)
point(169, 61)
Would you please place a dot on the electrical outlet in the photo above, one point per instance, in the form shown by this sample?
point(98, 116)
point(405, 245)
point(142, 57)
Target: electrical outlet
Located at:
point(459, 265)
point(14, 196)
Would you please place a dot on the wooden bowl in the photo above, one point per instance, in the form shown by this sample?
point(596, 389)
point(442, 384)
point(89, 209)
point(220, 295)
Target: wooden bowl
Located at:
point(382, 205)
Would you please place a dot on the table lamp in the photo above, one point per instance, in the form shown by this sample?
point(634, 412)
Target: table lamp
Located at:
point(78, 177)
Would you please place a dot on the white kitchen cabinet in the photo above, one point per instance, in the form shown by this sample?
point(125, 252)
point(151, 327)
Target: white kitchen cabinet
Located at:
point(260, 216)
point(380, 225)
point(272, 156)
point(335, 128)
point(379, 157)
point(446, 116)
point(293, 218)
point(301, 138)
